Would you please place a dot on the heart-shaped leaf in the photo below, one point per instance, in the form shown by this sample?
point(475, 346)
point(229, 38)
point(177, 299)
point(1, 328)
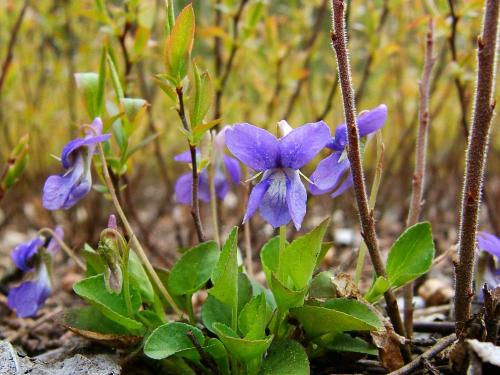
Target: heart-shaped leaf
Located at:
point(218, 351)
point(91, 324)
point(286, 357)
point(139, 277)
point(252, 320)
point(112, 305)
point(172, 338)
point(346, 343)
point(411, 255)
point(286, 298)
point(214, 311)
point(225, 274)
point(243, 349)
point(336, 315)
point(299, 259)
point(322, 286)
point(194, 268)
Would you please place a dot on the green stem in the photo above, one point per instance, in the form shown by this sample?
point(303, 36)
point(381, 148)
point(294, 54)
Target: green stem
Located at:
point(279, 318)
point(65, 247)
point(126, 280)
point(133, 239)
point(282, 245)
point(282, 238)
point(189, 308)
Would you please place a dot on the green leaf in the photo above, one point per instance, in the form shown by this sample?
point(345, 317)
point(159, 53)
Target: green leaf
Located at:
point(88, 85)
point(298, 260)
point(91, 324)
point(225, 274)
point(252, 320)
point(269, 257)
point(164, 83)
point(115, 77)
point(214, 311)
point(90, 319)
point(151, 319)
point(93, 261)
point(242, 349)
point(179, 45)
point(286, 298)
point(286, 357)
point(322, 286)
point(245, 290)
point(99, 99)
point(141, 37)
point(93, 289)
point(202, 99)
point(411, 255)
point(200, 129)
point(172, 338)
point(218, 351)
point(193, 270)
point(270, 300)
point(336, 315)
point(16, 163)
point(134, 108)
point(346, 343)
point(143, 143)
point(140, 278)
point(325, 246)
point(379, 287)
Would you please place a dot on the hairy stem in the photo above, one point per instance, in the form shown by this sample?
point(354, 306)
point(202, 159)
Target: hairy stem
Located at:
point(417, 193)
point(213, 192)
point(482, 116)
point(373, 198)
point(463, 99)
point(195, 203)
point(365, 213)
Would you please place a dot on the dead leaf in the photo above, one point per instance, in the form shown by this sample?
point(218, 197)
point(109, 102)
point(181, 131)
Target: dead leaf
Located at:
point(346, 286)
point(486, 351)
point(108, 339)
point(389, 344)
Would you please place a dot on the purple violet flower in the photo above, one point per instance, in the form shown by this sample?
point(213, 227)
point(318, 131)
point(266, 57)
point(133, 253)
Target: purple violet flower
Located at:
point(227, 169)
point(30, 295)
point(330, 171)
point(65, 190)
point(280, 195)
point(489, 243)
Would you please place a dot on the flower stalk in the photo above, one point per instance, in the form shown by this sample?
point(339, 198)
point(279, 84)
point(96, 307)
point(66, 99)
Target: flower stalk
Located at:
point(367, 220)
point(417, 193)
point(63, 246)
point(484, 105)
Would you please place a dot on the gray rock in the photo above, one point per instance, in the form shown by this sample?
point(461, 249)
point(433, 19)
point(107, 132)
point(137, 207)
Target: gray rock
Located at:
point(14, 363)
